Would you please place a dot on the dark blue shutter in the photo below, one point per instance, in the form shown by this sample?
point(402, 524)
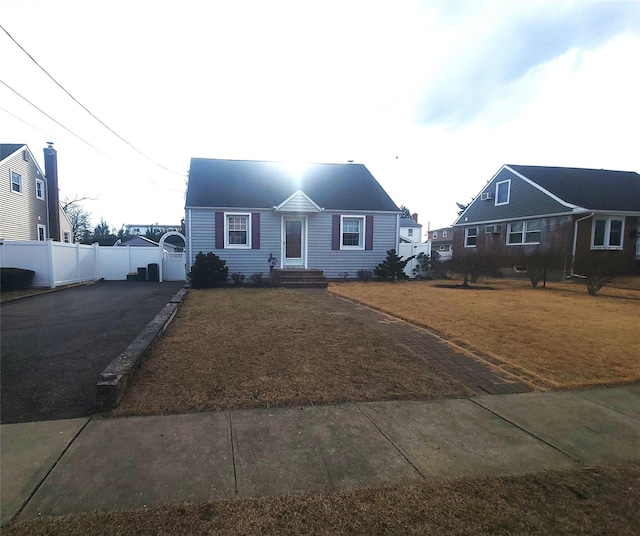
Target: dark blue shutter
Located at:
point(219, 230)
point(335, 232)
point(368, 236)
point(255, 230)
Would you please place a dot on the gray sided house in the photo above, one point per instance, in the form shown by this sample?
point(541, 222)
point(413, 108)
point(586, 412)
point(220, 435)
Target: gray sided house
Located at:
point(330, 217)
point(570, 211)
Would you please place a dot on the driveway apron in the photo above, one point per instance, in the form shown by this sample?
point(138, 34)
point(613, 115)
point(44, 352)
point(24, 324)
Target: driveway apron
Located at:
point(54, 346)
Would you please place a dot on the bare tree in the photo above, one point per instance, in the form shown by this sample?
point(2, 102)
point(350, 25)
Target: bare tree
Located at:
point(79, 217)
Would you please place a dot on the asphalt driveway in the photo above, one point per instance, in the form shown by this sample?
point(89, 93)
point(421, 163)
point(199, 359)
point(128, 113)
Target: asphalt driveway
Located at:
point(54, 346)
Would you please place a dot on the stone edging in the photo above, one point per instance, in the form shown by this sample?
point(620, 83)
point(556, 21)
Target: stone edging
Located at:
point(115, 378)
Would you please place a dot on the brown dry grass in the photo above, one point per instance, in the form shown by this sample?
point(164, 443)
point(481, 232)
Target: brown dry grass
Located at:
point(566, 339)
point(589, 501)
point(241, 348)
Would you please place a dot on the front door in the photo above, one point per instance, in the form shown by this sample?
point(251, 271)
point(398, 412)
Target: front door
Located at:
point(294, 242)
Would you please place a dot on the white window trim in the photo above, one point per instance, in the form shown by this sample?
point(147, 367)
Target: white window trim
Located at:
point(466, 237)
point(66, 237)
point(11, 173)
point(226, 230)
point(607, 232)
point(44, 232)
point(444, 234)
point(361, 246)
point(524, 234)
point(40, 181)
point(508, 182)
point(435, 235)
point(410, 231)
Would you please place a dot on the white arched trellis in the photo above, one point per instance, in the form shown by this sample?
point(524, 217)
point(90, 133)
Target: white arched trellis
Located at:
point(172, 257)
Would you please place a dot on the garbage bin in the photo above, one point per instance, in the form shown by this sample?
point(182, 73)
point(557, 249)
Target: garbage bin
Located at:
point(153, 270)
point(142, 274)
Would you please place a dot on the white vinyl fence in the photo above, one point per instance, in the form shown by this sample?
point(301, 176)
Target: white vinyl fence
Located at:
point(57, 263)
point(407, 250)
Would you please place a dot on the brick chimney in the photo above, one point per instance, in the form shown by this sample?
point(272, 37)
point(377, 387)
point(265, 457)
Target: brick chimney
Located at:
point(414, 217)
point(53, 195)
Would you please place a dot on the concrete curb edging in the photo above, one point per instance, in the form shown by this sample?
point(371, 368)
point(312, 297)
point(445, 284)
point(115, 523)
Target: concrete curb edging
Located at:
point(116, 377)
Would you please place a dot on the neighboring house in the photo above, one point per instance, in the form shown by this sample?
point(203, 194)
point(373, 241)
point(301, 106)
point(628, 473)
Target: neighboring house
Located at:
point(410, 229)
point(441, 241)
point(141, 241)
point(525, 209)
point(330, 217)
point(29, 202)
point(141, 229)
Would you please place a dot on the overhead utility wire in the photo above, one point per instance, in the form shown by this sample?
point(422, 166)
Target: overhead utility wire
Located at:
point(86, 109)
point(49, 136)
point(54, 120)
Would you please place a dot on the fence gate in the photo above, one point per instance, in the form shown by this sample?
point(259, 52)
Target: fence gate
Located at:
point(174, 267)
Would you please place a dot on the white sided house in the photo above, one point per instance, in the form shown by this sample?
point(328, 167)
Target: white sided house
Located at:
point(330, 218)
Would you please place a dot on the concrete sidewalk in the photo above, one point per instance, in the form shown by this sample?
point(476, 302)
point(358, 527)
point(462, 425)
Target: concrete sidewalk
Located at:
point(80, 465)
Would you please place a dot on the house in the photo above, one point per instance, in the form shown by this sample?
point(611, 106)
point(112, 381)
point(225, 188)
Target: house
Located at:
point(410, 229)
point(141, 241)
point(29, 200)
point(441, 241)
point(144, 228)
point(568, 211)
point(330, 217)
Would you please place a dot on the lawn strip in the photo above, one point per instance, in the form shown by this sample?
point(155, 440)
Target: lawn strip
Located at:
point(243, 348)
point(588, 501)
point(565, 339)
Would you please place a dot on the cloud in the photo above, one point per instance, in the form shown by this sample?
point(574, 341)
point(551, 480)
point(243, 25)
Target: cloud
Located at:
point(502, 45)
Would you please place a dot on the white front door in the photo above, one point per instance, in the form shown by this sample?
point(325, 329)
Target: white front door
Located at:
point(294, 241)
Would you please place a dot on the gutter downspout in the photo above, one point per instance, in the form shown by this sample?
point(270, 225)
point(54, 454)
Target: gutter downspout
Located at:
point(575, 241)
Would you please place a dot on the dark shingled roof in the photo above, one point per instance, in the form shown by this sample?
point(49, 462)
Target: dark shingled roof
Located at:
point(256, 184)
point(7, 149)
point(593, 189)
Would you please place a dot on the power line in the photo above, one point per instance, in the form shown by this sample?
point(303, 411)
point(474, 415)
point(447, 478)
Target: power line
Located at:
point(52, 119)
point(49, 136)
point(85, 108)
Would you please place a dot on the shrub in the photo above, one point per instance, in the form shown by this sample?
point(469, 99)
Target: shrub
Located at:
point(392, 267)
point(238, 278)
point(599, 268)
point(365, 275)
point(15, 279)
point(429, 266)
point(345, 276)
point(540, 264)
point(257, 279)
point(208, 271)
point(472, 266)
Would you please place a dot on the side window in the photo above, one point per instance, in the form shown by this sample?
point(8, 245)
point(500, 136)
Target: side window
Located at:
point(470, 237)
point(16, 182)
point(503, 189)
point(42, 233)
point(40, 189)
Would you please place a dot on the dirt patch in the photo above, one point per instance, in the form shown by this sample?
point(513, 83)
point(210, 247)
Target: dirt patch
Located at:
point(243, 348)
point(589, 501)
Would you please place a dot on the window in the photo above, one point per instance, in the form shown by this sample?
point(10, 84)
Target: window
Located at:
point(435, 234)
point(352, 232)
point(40, 189)
point(16, 182)
point(524, 232)
point(503, 189)
point(607, 233)
point(470, 237)
point(67, 237)
point(444, 234)
point(237, 231)
point(410, 232)
point(42, 233)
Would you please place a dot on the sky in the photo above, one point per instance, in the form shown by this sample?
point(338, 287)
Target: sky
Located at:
point(433, 97)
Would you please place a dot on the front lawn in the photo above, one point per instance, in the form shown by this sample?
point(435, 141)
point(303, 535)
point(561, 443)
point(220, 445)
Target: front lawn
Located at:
point(245, 347)
point(566, 339)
